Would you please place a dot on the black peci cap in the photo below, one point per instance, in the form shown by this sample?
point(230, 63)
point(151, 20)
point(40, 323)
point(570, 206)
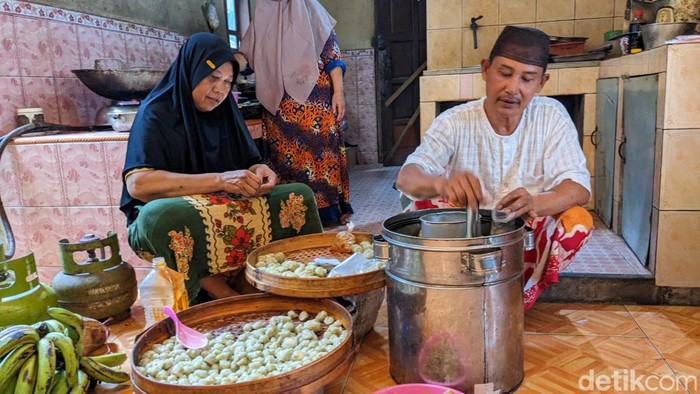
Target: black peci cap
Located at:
point(522, 44)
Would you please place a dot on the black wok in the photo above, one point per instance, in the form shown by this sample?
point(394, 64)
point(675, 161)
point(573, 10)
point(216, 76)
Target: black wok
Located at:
point(121, 85)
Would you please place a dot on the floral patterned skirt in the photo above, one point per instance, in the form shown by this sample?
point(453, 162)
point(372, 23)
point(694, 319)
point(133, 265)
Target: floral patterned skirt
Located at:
point(207, 234)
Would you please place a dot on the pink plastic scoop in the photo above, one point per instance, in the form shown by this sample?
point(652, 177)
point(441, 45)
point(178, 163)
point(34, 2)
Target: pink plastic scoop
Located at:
point(188, 337)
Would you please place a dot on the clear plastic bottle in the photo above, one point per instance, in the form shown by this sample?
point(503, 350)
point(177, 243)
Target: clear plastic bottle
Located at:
point(156, 291)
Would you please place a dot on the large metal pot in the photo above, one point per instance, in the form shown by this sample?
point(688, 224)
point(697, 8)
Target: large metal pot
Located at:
point(656, 34)
point(455, 306)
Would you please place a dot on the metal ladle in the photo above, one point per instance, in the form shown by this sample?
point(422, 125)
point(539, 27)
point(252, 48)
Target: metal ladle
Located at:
point(473, 222)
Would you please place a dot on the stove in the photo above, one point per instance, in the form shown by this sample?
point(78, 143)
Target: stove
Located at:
point(119, 114)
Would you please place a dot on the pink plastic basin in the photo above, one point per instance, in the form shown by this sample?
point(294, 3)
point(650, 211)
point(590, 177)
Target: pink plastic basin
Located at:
point(418, 388)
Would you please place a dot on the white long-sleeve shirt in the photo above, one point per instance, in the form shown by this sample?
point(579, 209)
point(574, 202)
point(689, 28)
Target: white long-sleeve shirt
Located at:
point(542, 151)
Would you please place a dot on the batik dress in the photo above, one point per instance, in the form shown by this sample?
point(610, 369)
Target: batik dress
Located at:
point(303, 142)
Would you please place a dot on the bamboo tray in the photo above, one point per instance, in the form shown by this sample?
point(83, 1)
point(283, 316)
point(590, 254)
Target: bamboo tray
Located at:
point(236, 310)
point(305, 248)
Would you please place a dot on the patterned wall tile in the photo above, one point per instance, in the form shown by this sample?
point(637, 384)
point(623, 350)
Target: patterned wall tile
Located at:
point(136, 55)
point(65, 52)
point(170, 51)
point(125, 250)
point(39, 176)
point(84, 173)
point(91, 46)
point(71, 101)
point(41, 93)
point(11, 98)
point(154, 52)
point(114, 45)
point(45, 226)
point(15, 215)
point(93, 103)
point(9, 61)
point(88, 220)
point(8, 176)
point(115, 154)
point(33, 47)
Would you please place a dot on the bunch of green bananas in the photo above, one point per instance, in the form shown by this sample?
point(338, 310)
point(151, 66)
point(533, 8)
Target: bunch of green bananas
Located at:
point(43, 358)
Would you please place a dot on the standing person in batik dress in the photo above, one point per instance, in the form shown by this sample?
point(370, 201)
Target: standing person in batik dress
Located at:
point(293, 49)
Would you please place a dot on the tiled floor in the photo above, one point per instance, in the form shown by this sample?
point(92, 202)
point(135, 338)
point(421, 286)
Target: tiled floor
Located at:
point(568, 347)
point(374, 199)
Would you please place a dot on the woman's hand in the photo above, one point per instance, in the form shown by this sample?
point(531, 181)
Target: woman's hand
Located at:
point(267, 176)
point(338, 105)
point(243, 182)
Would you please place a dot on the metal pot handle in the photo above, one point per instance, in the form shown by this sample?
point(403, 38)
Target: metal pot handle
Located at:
point(482, 263)
point(529, 240)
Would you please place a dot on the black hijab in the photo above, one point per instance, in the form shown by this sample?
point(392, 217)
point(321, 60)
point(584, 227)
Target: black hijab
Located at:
point(170, 134)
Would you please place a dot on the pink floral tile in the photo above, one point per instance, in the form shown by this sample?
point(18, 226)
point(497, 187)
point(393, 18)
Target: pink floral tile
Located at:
point(39, 176)
point(41, 92)
point(88, 220)
point(15, 216)
point(9, 62)
point(113, 45)
point(91, 46)
point(33, 47)
point(365, 68)
point(84, 173)
point(45, 227)
point(11, 98)
point(71, 102)
point(125, 250)
point(93, 103)
point(136, 55)
point(65, 52)
point(366, 93)
point(8, 176)
point(115, 154)
point(47, 273)
point(155, 58)
point(170, 51)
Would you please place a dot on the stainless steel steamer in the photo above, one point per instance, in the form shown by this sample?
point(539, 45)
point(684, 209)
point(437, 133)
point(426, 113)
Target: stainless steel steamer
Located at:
point(455, 305)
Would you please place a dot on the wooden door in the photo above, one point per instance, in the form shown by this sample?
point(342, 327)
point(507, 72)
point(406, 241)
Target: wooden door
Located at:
point(400, 51)
point(639, 127)
point(604, 140)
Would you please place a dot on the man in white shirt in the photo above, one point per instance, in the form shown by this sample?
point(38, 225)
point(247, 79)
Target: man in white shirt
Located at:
point(513, 151)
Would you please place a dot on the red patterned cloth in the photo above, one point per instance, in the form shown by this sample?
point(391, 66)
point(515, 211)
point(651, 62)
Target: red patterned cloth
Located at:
point(557, 240)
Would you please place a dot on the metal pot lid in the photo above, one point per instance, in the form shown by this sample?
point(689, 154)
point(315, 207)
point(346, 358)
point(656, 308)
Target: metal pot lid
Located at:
point(403, 229)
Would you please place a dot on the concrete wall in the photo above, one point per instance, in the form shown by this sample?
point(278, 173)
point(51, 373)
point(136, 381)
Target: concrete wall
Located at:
point(183, 17)
point(355, 28)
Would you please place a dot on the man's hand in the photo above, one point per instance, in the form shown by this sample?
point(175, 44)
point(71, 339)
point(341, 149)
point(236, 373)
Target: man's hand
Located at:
point(519, 202)
point(461, 188)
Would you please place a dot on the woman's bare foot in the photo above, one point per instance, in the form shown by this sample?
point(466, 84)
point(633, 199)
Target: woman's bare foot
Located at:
point(345, 218)
point(217, 287)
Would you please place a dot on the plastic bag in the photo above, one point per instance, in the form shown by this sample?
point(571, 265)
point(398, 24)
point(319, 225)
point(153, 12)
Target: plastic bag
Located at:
point(353, 265)
point(344, 240)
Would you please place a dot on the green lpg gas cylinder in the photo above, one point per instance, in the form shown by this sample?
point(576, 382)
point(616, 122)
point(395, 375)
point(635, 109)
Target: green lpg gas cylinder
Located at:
point(23, 299)
point(99, 287)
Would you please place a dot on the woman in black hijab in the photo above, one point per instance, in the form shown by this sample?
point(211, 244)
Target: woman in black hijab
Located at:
point(194, 190)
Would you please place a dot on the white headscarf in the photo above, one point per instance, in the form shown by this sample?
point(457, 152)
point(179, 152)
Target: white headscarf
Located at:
point(283, 44)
